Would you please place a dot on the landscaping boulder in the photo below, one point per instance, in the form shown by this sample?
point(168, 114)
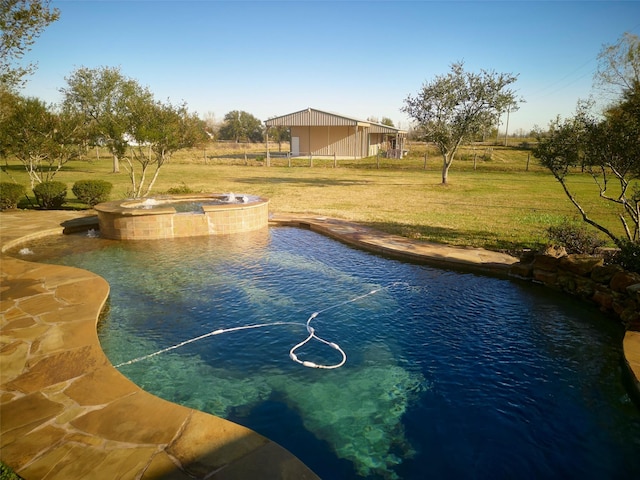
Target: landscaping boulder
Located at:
point(580, 264)
point(621, 280)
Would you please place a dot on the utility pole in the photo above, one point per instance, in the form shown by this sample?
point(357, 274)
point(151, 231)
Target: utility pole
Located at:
point(506, 127)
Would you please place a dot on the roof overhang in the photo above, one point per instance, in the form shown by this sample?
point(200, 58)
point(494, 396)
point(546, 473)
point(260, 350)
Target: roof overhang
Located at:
point(312, 117)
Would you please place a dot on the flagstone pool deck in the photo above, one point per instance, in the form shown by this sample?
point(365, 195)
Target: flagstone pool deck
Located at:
point(67, 413)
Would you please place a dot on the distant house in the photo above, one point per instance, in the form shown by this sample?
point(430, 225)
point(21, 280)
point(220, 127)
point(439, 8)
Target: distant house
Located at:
point(318, 133)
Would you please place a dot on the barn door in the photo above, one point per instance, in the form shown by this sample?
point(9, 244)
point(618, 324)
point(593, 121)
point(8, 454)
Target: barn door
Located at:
point(295, 146)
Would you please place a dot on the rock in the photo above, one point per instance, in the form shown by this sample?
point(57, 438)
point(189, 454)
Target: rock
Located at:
point(546, 262)
point(522, 270)
point(580, 264)
point(621, 280)
point(604, 273)
point(545, 276)
point(527, 256)
point(585, 287)
point(575, 284)
point(566, 282)
point(603, 298)
point(633, 289)
point(630, 315)
point(555, 251)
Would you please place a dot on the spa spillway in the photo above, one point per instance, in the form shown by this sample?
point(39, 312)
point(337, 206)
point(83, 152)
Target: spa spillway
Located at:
point(175, 216)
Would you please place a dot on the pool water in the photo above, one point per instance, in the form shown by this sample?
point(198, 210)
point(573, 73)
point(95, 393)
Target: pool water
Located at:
point(448, 375)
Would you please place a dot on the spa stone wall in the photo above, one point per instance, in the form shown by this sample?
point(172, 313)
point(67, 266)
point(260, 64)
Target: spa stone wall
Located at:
point(132, 224)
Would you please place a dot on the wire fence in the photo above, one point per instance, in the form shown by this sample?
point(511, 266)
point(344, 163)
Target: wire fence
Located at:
point(468, 158)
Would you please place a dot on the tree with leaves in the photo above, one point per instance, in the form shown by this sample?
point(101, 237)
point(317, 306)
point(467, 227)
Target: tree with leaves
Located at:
point(21, 23)
point(241, 126)
point(279, 134)
point(607, 147)
point(41, 138)
point(104, 97)
point(158, 130)
point(387, 121)
point(454, 108)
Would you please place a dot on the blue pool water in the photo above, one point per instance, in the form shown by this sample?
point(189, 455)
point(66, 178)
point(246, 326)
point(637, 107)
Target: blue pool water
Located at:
point(448, 375)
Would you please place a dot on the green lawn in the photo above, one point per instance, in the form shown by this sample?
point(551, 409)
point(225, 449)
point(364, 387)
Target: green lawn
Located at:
point(495, 202)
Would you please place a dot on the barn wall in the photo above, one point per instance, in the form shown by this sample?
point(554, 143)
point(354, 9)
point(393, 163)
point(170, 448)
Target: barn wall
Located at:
point(328, 141)
point(327, 134)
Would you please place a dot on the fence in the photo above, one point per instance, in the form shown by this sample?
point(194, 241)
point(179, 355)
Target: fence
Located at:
point(484, 157)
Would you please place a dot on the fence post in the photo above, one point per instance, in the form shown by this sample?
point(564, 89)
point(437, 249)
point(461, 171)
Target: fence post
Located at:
point(310, 160)
point(289, 159)
point(426, 155)
point(335, 162)
point(528, 158)
point(378, 159)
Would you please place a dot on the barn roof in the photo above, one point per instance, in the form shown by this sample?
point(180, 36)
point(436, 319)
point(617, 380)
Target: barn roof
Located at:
point(312, 117)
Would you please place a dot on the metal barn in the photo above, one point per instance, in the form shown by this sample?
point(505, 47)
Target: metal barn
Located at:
point(318, 133)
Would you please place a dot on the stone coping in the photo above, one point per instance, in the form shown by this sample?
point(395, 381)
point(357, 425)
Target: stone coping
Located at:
point(461, 258)
point(58, 420)
point(163, 204)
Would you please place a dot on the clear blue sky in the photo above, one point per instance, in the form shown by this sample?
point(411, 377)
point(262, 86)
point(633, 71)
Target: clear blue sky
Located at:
point(358, 58)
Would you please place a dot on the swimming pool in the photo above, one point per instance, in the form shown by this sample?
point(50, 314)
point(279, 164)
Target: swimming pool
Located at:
point(447, 374)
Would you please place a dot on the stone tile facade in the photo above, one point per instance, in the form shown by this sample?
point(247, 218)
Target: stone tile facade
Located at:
point(121, 221)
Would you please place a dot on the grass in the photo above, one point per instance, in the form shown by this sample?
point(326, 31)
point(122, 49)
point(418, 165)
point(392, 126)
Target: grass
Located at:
point(6, 473)
point(502, 201)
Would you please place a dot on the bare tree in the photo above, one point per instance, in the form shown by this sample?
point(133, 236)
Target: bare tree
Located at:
point(618, 67)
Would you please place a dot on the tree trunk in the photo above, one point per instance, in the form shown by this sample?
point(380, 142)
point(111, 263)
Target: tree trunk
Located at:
point(116, 164)
point(445, 172)
point(447, 160)
point(159, 164)
point(585, 217)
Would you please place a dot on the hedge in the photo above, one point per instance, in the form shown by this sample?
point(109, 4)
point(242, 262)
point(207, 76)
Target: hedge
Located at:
point(92, 192)
point(10, 194)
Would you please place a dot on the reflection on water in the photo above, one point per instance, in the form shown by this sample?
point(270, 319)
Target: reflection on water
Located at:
point(447, 374)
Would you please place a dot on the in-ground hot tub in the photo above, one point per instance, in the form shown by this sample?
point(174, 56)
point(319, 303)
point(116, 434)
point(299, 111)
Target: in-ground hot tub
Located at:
point(189, 215)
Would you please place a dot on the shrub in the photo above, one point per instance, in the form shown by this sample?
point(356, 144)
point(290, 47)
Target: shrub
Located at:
point(10, 193)
point(92, 192)
point(629, 256)
point(574, 238)
point(50, 195)
point(180, 189)
point(6, 472)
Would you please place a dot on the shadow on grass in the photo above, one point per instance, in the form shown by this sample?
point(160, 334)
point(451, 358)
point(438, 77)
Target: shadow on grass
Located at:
point(453, 237)
point(30, 203)
point(315, 181)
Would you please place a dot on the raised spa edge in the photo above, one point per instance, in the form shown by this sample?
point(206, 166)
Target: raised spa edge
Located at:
point(157, 218)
